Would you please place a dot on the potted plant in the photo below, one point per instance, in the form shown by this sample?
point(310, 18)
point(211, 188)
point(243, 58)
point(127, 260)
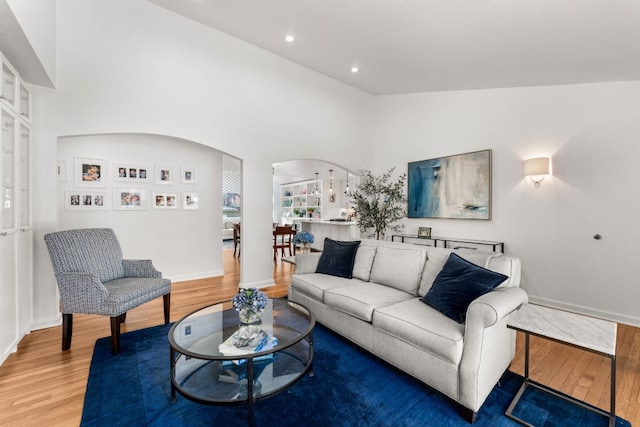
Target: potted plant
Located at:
point(378, 203)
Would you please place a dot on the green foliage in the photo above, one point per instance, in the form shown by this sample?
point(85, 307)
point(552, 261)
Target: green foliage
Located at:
point(379, 203)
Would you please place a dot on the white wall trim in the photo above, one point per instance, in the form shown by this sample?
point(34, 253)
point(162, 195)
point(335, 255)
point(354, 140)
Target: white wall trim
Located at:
point(258, 284)
point(587, 311)
point(196, 276)
point(48, 322)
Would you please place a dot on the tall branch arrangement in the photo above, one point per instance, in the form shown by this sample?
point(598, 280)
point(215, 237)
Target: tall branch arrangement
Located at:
point(379, 203)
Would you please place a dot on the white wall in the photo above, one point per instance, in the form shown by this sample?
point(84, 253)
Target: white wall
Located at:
point(127, 66)
point(183, 244)
point(592, 133)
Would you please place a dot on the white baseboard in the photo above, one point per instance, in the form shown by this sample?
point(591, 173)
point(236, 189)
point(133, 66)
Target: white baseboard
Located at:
point(260, 284)
point(587, 311)
point(50, 322)
point(196, 276)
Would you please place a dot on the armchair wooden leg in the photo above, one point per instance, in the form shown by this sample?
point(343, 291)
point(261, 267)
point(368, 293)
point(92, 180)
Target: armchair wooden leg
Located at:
point(115, 334)
point(67, 330)
point(167, 307)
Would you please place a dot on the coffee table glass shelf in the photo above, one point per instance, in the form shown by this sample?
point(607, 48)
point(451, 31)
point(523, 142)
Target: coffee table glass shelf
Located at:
point(204, 374)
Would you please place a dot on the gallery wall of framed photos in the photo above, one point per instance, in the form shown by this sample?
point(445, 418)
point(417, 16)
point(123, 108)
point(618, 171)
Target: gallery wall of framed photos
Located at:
point(161, 195)
point(135, 185)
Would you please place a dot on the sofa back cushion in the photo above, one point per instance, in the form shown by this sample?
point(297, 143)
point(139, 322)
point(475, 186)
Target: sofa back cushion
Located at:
point(364, 261)
point(399, 267)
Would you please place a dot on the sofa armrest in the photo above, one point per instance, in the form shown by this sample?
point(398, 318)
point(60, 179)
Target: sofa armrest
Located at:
point(140, 268)
point(307, 263)
point(489, 345)
point(493, 306)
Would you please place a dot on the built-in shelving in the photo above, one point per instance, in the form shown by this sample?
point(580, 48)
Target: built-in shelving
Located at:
point(302, 200)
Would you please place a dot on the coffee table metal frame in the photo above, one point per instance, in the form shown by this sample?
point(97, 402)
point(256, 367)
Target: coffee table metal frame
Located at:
point(281, 349)
point(563, 334)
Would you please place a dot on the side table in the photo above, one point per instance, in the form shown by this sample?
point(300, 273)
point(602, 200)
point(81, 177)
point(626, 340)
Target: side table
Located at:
point(588, 333)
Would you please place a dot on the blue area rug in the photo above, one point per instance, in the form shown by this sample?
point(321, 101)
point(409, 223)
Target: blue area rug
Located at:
point(350, 388)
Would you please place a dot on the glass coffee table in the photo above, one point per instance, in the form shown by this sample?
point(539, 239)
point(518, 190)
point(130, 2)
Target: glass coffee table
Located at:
point(204, 374)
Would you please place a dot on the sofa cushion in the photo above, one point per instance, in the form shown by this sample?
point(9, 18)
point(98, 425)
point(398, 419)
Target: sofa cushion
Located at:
point(433, 265)
point(315, 285)
point(337, 258)
point(458, 284)
point(364, 260)
point(423, 327)
point(399, 267)
point(360, 299)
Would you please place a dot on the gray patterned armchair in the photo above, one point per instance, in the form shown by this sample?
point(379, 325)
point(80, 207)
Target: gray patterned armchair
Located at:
point(94, 279)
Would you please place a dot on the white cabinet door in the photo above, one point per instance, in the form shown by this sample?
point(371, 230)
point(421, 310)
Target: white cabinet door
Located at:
point(8, 296)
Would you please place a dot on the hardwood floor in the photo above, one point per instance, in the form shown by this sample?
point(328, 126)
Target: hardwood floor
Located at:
point(41, 385)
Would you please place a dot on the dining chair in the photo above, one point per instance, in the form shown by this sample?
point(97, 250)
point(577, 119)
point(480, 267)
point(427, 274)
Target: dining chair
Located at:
point(282, 239)
point(93, 278)
point(236, 239)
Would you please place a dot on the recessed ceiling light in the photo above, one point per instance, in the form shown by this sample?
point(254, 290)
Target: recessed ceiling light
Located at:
point(289, 38)
point(354, 69)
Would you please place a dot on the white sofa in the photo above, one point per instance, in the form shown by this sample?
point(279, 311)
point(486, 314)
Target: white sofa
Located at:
point(380, 310)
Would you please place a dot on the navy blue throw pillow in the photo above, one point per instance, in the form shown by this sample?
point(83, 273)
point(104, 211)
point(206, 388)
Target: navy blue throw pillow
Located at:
point(458, 284)
point(337, 258)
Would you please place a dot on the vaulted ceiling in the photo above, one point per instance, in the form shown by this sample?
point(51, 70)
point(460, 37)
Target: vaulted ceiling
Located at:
point(434, 45)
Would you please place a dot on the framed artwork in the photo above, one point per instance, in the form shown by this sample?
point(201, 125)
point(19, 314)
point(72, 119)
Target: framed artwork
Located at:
point(424, 232)
point(129, 199)
point(130, 173)
point(190, 200)
point(165, 175)
point(456, 186)
point(164, 201)
point(188, 175)
point(90, 172)
point(85, 200)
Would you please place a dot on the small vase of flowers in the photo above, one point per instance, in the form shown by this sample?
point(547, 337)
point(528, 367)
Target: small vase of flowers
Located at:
point(250, 303)
point(305, 238)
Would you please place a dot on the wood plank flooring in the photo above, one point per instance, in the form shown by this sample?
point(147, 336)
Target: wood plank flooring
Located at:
point(41, 385)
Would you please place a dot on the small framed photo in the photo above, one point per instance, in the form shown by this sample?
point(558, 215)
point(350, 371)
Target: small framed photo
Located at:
point(190, 200)
point(129, 199)
point(90, 172)
point(164, 201)
point(165, 175)
point(85, 200)
point(424, 232)
point(187, 175)
point(130, 173)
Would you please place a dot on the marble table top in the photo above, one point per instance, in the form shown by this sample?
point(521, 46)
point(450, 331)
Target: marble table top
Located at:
point(583, 331)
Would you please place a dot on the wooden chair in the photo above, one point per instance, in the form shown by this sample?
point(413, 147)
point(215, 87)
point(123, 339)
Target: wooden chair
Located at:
point(236, 239)
point(282, 239)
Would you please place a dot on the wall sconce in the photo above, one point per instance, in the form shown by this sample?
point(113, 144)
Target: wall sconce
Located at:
point(536, 169)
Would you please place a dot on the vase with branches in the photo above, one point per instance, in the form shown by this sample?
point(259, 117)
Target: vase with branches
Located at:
point(379, 203)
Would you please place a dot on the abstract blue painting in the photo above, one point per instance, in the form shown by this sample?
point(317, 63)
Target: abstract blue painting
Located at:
point(451, 187)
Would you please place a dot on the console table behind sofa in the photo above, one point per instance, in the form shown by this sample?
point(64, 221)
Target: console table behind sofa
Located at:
point(447, 242)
